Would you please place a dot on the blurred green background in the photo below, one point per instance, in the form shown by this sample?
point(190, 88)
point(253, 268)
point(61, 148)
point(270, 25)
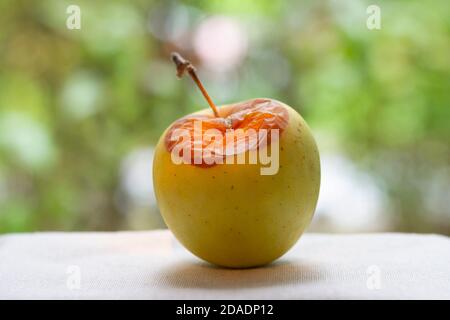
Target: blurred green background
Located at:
point(80, 110)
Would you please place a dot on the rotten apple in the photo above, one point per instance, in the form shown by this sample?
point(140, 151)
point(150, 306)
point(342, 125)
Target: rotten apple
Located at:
point(238, 184)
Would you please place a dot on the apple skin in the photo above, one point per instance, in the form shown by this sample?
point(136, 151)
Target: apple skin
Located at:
point(231, 215)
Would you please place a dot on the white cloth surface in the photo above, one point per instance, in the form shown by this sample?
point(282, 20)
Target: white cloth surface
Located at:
point(153, 265)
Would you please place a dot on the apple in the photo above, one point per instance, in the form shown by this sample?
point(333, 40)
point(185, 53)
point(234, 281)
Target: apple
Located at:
point(227, 212)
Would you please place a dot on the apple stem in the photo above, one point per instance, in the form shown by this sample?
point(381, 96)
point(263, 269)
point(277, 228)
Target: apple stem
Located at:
point(184, 65)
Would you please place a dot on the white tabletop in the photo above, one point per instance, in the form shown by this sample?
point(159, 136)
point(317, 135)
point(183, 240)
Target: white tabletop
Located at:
point(152, 265)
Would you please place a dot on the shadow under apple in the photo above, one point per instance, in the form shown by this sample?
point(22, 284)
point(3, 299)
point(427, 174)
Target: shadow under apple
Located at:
point(204, 275)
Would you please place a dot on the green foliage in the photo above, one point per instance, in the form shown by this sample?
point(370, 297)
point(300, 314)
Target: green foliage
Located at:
point(74, 103)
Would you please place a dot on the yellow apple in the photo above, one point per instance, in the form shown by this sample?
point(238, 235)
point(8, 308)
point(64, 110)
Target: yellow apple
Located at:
point(231, 214)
